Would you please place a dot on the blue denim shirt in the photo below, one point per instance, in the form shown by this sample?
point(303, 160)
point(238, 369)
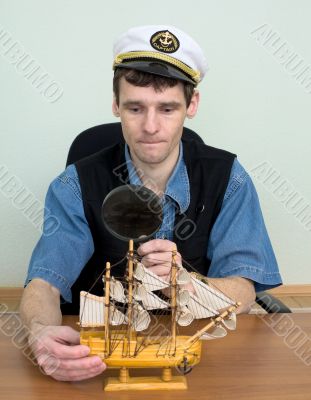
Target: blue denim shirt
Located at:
point(239, 244)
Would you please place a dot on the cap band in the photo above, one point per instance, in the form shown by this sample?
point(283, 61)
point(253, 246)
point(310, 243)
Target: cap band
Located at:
point(120, 58)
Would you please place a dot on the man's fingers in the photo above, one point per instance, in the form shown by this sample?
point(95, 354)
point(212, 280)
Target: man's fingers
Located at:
point(159, 259)
point(161, 271)
point(77, 375)
point(60, 356)
point(156, 245)
point(58, 350)
point(80, 364)
point(156, 259)
point(58, 339)
point(66, 334)
point(158, 252)
point(65, 351)
point(64, 369)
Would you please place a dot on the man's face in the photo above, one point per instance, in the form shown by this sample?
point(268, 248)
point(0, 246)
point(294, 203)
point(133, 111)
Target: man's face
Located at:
point(152, 122)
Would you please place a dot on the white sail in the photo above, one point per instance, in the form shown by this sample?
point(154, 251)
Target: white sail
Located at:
point(230, 321)
point(182, 298)
point(183, 277)
point(117, 291)
point(217, 333)
point(150, 300)
point(116, 316)
point(200, 309)
point(209, 296)
point(92, 311)
point(141, 318)
point(150, 280)
point(184, 316)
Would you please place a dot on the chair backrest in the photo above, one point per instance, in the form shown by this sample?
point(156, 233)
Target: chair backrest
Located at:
point(98, 137)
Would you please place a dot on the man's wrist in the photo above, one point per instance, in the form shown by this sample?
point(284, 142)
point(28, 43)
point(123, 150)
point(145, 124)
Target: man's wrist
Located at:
point(35, 327)
point(200, 277)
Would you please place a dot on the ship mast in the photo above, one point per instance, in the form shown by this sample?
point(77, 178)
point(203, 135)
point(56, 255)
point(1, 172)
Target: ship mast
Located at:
point(107, 306)
point(173, 299)
point(130, 296)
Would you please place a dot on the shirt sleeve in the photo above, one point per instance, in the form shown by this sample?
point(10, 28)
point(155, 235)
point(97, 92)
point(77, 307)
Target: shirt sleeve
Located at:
point(239, 244)
point(66, 243)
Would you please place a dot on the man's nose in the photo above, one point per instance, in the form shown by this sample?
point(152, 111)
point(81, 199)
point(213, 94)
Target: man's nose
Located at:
point(151, 123)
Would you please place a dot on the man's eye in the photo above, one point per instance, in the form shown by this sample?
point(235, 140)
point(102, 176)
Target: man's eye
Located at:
point(134, 108)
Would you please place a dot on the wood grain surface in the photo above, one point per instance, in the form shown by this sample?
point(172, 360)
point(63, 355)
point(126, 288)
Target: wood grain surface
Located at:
point(267, 357)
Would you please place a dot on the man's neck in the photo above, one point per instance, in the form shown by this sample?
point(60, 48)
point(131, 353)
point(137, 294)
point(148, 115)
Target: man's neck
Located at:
point(156, 176)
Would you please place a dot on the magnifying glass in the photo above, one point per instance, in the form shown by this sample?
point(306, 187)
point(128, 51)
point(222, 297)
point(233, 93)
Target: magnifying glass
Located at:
point(132, 212)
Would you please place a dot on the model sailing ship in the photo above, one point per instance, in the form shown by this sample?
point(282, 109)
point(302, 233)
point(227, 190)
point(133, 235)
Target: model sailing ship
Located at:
point(127, 327)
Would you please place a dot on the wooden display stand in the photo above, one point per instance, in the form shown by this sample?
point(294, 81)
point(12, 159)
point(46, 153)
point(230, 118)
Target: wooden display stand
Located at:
point(166, 382)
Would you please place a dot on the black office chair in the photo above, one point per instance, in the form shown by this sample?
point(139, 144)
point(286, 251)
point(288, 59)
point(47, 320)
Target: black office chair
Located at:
point(96, 138)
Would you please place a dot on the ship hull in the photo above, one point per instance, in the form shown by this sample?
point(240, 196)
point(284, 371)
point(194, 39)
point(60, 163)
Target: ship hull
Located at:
point(138, 353)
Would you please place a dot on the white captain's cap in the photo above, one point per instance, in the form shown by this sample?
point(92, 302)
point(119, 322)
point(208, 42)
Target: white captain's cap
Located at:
point(160, 50)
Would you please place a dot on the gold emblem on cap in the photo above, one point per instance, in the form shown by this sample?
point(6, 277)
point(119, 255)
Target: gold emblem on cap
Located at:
point(164, 41)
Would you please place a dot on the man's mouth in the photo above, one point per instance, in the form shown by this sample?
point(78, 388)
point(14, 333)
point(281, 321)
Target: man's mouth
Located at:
point(149, 142)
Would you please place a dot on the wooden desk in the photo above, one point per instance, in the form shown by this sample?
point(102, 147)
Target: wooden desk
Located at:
point(250, 363)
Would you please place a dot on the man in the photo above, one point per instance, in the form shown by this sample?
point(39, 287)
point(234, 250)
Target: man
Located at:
point(156, 71)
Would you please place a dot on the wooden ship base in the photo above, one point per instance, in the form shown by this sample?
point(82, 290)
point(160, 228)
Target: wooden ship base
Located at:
point(153, 352)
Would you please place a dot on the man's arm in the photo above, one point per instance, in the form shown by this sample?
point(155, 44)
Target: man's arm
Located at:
point(239, 243)
point(40, 304)
point(238, 289)
point(55, 347)
point(63, 253)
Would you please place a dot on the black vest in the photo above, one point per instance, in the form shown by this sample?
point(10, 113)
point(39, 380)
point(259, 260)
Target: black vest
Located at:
point(208, 170)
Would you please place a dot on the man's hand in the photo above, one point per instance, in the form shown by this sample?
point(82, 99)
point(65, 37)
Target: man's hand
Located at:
point(55, 347)
point(157, 256)
point(60, 355)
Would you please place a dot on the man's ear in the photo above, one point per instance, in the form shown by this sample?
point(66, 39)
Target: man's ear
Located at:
point(194, 104)
point(115, 108)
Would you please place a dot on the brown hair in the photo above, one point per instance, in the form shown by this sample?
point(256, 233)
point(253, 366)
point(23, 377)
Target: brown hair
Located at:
point(143, 79)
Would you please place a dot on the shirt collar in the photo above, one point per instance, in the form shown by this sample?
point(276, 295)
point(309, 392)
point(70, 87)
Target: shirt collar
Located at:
point(177, 187)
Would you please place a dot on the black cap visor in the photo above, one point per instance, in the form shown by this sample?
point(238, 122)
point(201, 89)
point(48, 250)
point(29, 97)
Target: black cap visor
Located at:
point(156, 67)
